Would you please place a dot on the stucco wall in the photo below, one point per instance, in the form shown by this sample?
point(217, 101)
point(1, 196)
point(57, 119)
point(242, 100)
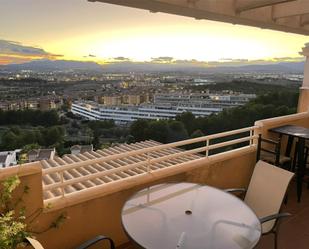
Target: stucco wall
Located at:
point(303, 101)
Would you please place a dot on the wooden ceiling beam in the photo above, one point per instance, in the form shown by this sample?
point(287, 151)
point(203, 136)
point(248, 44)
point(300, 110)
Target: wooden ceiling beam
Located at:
point(298, 8)
point(250, 5)
point(217, 11)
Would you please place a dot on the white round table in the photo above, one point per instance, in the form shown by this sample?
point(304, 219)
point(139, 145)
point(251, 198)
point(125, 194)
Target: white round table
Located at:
point(192, 216)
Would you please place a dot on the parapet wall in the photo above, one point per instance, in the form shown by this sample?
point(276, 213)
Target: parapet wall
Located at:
point(101, 213)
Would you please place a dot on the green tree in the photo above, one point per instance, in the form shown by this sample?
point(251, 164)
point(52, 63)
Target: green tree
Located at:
point(29, 147)
point(158, 131)
point(188, 119)
point(139, 130)
point(54, 135)
point(10, 141)
point(176, 131)
point(195, 134)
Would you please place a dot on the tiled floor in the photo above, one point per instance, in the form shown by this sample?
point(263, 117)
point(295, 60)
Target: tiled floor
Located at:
point(294, 231)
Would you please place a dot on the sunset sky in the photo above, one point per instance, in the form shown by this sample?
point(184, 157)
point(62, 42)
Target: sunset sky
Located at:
point(81, 30)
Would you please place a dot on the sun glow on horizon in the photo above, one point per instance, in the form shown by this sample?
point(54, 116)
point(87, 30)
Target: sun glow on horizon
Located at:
point(208, 41)
point(106, 32)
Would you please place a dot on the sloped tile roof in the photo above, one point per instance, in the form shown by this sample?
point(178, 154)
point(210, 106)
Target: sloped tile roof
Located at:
point(96, 168)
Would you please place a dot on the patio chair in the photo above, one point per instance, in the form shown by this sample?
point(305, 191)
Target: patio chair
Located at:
point(265, 194)
point(37, 245)
point(268, 150)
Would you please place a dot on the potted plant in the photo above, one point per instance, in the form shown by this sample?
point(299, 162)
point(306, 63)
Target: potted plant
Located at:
point(15, 226)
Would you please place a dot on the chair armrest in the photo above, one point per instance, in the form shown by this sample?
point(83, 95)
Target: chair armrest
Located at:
point(34, 243)
point(95, 240)
point(274, 217)
point(233, 190)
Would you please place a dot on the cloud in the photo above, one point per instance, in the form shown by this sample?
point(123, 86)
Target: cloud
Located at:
point(192, 61)
point(90, 55)
point(121, 59)
point(288, 59)
point(233, 60)
point(202, 64)
point(15, 52)
point(163, 59)
point(243, 62)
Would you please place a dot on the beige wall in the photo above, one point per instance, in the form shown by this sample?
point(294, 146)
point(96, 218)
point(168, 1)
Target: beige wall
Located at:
point(232, 173)
point(112, 100)
point(31, 176)
point(303, 101)
point(134, 99)
point(102, 215)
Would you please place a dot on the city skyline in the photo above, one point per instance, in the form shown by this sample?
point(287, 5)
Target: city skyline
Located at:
point(104, 33)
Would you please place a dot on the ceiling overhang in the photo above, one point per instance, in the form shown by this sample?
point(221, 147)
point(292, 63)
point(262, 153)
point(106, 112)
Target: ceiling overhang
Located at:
point(282, 15)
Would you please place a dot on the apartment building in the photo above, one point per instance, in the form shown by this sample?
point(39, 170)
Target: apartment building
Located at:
point(125, 114)
point(112, 100)
point(47, 104)
point(31, 104)
point(203, 99)
point(19, 105)
point(124, 99)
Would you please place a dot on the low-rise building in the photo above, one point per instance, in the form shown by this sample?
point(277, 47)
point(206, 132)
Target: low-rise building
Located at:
point(8, 158)
point(41, 154)
point(77, 149)
point(47, 104)
point(19, 105)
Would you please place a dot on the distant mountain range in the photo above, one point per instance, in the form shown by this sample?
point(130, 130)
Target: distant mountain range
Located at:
point(47, 65)
point(127, 66)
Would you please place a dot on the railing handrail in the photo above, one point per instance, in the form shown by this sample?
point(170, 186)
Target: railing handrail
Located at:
point(62, 184)
point(147, 150)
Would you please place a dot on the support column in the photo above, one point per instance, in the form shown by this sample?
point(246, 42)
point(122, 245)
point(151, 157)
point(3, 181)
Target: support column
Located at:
point(303, 101)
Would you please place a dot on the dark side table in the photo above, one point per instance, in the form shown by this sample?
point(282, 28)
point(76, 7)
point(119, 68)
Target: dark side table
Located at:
point(302, 134)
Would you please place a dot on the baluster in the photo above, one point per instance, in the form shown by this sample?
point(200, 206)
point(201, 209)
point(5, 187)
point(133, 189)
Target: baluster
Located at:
point(62, 182)
point(207, 147)
point(148, 162)
point(251, 136)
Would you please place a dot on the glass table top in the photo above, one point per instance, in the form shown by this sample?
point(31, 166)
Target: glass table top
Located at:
point(187, 215)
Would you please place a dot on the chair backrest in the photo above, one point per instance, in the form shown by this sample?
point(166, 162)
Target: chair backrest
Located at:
point(266, 191)
point(34, 243)
point(269, 146)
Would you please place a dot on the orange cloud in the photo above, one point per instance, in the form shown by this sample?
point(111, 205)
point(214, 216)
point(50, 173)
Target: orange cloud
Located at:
point(14, 53)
